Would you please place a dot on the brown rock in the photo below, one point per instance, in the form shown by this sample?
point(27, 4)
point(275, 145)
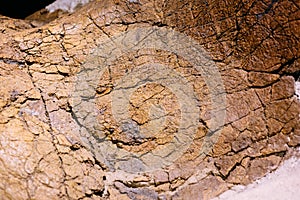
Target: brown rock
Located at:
point(262, 79)
point(238, 176)
point(242, 141)
point(284, 88)
point(209, 188)
point(227, 163)
point(49, 152)
point(260, 166)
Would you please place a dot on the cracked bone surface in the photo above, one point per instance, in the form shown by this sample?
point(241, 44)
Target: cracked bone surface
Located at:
point(55, 145)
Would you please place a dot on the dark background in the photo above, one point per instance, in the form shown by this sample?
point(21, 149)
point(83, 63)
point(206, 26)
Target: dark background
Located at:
point(22, 8)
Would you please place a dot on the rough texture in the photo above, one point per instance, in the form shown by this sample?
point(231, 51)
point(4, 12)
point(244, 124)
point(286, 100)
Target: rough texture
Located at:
point(284, 182)
point(42, 154)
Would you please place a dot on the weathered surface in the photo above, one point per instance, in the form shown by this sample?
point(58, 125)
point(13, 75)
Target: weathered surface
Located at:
point(42, 152)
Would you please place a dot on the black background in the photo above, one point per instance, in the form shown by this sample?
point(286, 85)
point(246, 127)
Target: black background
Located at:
point(22, 8)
